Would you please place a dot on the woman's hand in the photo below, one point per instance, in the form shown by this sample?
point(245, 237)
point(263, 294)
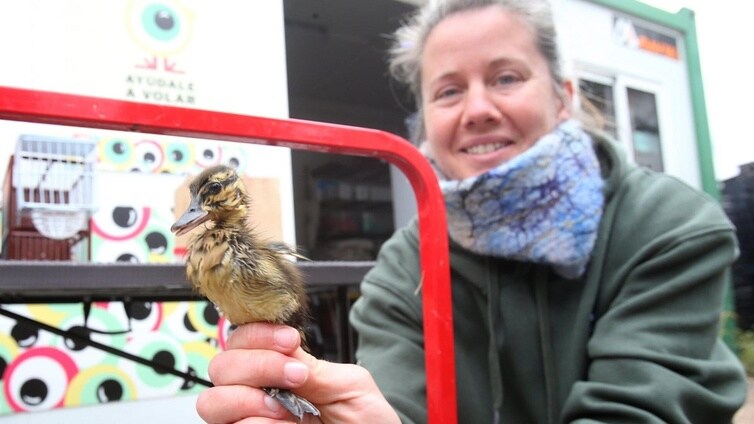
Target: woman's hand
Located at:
point(265, 355)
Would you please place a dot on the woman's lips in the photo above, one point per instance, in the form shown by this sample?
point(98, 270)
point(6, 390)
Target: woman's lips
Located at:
point(483, 149)
point(486, 148)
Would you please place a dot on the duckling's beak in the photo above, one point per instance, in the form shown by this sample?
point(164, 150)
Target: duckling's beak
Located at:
point(192, 218)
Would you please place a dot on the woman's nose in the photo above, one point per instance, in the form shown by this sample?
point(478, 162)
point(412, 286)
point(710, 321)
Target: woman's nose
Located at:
point(480, 108)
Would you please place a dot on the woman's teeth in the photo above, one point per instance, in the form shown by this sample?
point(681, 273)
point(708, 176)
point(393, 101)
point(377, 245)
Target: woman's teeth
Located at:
point(484, 148)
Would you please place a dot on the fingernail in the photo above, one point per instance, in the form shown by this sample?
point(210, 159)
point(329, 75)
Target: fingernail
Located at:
point(295, 372)
point(285, 337)
point(272, 404)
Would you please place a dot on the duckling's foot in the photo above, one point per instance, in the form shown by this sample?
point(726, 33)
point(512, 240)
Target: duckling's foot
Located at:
point(298, 406)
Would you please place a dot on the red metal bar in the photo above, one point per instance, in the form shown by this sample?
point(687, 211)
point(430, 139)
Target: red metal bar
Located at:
point(93, 112)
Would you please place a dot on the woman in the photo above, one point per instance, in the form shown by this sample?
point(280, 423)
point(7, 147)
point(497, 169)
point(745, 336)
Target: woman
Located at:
point(585, 289)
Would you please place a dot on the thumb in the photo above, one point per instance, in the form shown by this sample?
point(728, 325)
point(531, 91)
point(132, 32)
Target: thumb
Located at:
point(329, 382)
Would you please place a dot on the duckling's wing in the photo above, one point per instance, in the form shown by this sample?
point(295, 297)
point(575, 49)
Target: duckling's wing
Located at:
point(297, 405)
point(285, 249)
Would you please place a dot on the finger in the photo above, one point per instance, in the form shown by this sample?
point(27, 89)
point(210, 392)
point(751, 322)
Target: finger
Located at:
point(308, 419)
point(257, 368)
point(261, 335)
point(329, 382)
point(338, 382)
point(229, 404)
point(256, 420)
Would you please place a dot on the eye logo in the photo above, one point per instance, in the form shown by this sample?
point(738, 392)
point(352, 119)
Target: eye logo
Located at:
point(161, 28)
point(160, 22)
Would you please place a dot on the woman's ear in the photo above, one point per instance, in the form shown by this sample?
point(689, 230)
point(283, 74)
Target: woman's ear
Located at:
point(566, 98)
point(568, 89)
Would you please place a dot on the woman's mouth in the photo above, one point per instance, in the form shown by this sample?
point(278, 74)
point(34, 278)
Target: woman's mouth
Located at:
point(483, 149)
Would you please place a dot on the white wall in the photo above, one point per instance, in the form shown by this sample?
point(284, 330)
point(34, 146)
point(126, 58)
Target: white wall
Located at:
point(586, 34)
point(229, 56)
point(180, 409)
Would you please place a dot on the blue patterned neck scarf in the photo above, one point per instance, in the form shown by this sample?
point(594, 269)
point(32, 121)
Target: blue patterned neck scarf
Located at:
point(542, 206)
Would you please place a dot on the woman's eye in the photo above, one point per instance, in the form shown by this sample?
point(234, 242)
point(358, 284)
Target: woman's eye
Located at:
point(507, 79)
point(447, 92)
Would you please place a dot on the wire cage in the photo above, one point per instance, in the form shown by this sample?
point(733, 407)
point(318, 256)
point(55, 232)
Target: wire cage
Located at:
point(52, 196)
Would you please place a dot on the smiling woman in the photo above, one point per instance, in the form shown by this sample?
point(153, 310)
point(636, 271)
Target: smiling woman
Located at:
point(581, 282)
point(485, 105)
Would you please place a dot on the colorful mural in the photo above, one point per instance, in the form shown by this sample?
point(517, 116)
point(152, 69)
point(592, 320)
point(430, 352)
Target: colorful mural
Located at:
point(156, 156)
point(43, 371)
point(153, 52)
point(131, 227)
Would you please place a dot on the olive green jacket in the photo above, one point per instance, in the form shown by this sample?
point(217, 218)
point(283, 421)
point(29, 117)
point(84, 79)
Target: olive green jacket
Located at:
point(635, 340)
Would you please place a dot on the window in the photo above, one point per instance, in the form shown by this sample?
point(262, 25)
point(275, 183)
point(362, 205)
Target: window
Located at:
point(597, 101)
point(627, 113)
point(645, 130)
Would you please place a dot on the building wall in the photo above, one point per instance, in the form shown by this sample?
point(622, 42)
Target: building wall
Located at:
point(225, 55)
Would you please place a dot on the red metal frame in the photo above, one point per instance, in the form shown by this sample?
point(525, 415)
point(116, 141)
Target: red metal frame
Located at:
point(93, 112)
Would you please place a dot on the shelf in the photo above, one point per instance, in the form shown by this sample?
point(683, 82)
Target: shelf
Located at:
point(356, 204)
point(57, 282)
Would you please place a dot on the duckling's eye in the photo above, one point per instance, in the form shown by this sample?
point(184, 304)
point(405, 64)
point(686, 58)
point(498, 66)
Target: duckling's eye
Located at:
point(214, 188)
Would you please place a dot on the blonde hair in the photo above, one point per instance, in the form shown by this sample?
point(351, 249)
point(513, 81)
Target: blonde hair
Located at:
point(405, 54)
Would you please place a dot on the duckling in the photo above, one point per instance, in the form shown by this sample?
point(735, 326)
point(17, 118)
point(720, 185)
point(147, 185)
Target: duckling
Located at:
point(248, 279)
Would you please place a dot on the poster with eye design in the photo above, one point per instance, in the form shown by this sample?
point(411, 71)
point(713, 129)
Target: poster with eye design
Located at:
point(185, 53)
point(42, 371)
point(169, 53)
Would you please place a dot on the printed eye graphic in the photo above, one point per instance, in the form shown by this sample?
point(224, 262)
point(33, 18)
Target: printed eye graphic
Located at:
point(146, 316)
point(157, 243)
point(234, 156)
point(120, 222)
point(149, 156)
point(101, 383)
point(163, 28)
point(178, 158)
point(100, 319)
point(116, 153)
point(161, 22)
point(37, 379)
point(207, 154)
point(163, 350)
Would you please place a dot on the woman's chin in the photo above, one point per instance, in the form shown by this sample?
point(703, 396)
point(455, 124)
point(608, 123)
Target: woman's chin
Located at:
point(479, 164)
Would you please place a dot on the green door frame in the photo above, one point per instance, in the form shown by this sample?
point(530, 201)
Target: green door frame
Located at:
point(683, 21)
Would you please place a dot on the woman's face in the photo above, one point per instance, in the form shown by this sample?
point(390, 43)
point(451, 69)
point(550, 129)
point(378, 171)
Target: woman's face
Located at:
point(487, 93)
